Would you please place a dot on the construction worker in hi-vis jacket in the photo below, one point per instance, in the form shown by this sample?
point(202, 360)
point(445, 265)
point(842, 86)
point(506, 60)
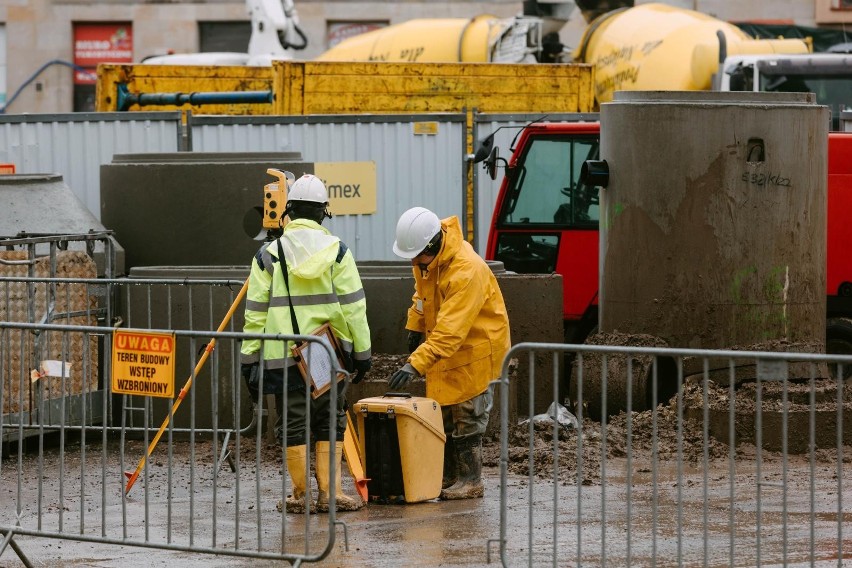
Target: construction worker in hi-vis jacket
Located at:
point(308, 277)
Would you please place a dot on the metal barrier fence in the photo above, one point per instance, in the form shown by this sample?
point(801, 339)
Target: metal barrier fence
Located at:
point(182, 304)
point(76, 485)
point(748, 462)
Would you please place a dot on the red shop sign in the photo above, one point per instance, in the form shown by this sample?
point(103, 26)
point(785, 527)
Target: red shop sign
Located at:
point(103, 43)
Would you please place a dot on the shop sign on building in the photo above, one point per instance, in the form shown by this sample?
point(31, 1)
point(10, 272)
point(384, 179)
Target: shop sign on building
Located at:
point(100, 43)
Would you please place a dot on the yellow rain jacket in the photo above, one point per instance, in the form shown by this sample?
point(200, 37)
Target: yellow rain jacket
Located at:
point(458, 306)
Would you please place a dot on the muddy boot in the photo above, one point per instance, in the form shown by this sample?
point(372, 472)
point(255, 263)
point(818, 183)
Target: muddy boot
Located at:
point(469, 483)
point(296, 503)
point(344, 502)
point(450, 468)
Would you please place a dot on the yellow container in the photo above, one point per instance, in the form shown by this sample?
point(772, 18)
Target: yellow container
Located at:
point(157, 79)
point(327, 87)
point(402, 440)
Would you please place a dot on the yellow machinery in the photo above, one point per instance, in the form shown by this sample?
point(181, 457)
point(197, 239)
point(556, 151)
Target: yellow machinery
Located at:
point(382, 88)
point(646, 47)
point(305, 87)
point(124, 87)
point(656, 47)
point(428, 40)
point(653, 47)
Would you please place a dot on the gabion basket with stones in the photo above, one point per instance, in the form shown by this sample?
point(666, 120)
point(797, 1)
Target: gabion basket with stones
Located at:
point(22, 350)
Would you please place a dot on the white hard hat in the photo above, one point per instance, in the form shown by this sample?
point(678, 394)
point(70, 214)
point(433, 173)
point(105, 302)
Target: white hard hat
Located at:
point(308, 188)
point(414, 230)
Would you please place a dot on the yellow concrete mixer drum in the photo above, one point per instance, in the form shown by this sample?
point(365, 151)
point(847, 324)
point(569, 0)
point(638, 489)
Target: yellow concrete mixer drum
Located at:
point(655, 47)
point(445, 40)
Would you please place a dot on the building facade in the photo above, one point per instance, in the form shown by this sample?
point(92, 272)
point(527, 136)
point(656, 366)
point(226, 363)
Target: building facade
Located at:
point(50, 48)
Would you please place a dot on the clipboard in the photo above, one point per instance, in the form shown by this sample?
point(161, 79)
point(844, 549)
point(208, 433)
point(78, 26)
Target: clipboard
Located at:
point(313, 361)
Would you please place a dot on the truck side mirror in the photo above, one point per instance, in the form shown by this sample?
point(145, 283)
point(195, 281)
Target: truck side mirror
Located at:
point(484, 148)
point(594, 172)
point(491, 162)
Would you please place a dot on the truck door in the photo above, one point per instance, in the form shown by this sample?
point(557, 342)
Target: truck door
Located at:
point(546, 221)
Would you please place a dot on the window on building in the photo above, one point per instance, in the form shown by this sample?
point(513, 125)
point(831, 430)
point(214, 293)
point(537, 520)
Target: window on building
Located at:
point(224, 36)
point(841, 4)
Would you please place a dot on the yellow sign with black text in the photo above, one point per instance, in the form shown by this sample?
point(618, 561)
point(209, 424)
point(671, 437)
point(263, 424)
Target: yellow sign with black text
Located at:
point(351, 186)
point(143, 363)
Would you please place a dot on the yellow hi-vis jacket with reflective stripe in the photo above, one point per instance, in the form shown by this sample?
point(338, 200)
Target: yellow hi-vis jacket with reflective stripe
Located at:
point(458, 305)
point(324, 286)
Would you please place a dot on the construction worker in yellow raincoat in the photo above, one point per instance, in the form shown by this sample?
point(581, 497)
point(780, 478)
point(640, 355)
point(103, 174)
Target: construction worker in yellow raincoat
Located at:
point(458, 314)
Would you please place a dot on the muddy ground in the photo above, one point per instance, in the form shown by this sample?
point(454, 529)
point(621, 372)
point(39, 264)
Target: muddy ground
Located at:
point(675, 431)
point(666, 498)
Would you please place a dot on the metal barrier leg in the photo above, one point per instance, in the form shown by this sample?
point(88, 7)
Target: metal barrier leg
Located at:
point(226, 454)
point(10, 542)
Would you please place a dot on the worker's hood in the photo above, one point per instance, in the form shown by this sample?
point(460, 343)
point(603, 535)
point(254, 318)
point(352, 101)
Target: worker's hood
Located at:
point(310, 248)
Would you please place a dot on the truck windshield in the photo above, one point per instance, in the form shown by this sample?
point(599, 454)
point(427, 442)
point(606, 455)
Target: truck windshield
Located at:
point(546, 187)
point(834, 91)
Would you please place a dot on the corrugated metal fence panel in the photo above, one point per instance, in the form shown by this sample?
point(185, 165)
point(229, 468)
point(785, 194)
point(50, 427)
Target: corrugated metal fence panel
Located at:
point(411, 169)
point(76, 145)
point(505, 128)
point(426, 170)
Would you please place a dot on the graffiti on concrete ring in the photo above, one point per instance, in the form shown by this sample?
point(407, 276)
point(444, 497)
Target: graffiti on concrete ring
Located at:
point(764, 180)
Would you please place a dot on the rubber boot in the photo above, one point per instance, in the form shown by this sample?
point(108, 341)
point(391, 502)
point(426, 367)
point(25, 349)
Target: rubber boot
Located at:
point(450, 468)
point(344, 502)
point(296, 457)
point(469, 483)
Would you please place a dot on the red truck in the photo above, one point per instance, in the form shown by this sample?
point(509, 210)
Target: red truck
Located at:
point(528, 237)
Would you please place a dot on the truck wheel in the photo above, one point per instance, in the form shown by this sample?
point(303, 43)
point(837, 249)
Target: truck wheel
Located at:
point(838, 341)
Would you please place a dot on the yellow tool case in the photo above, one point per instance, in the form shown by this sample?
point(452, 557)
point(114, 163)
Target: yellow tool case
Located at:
point(402, 442)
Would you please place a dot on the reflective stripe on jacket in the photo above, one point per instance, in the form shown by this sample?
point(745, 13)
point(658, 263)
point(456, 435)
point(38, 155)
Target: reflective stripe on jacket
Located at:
point(459, 307)
point(324, 286)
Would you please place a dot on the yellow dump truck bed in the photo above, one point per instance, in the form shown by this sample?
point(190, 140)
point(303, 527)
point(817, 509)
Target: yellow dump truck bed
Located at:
point(306, 87)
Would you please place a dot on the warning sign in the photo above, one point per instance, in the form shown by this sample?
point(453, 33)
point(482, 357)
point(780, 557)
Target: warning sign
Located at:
point(143, 363)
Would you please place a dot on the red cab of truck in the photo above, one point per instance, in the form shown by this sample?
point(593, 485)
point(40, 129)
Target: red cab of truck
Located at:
point(546, 220)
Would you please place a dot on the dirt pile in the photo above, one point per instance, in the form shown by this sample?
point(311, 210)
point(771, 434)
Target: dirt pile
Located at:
point(669, 434)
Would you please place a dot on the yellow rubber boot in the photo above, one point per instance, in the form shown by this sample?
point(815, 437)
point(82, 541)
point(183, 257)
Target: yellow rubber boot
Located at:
point(344, 502)
point(296, 503)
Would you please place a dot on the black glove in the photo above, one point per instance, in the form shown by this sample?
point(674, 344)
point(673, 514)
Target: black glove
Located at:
point(251, 375)
point(250, 372)
point(361, 367)
point(402, 377)
point(415, 338)
point(348, 361)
